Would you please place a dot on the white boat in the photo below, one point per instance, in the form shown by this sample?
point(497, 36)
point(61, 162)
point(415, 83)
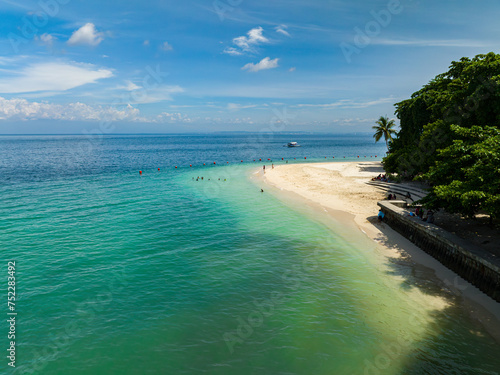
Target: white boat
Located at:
point(293, 144)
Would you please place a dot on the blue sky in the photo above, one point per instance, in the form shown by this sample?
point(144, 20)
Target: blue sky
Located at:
point(69, 66)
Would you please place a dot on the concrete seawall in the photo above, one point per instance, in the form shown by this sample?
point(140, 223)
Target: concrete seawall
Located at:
point(474, 264)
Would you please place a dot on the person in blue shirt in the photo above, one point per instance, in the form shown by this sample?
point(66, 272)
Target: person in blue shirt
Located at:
point(381, 215)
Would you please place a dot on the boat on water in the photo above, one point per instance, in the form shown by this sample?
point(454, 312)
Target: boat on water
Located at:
point(292, 144)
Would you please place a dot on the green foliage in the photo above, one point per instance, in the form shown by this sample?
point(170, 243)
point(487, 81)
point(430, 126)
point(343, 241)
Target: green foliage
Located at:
point(394, 177)
point(450, 137)
point(435, 136)
point(467, 95)
point(384, 128)
point(400, 161)
point(466, 175)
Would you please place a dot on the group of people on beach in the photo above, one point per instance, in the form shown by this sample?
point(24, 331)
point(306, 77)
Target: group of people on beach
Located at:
point(419, 212)
point(393, 196)
point(381, 177)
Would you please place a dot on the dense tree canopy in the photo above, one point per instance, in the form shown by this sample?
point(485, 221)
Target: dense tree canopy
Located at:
point(468, 94)
point(466, 175)
point(450, 137)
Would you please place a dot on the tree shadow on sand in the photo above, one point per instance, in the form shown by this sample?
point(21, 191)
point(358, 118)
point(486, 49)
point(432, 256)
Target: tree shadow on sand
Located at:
point(455, 342)
point(372, 168)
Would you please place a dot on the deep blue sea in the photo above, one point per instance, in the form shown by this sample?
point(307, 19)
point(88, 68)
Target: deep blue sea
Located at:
point(162, 272)
point(37, 158)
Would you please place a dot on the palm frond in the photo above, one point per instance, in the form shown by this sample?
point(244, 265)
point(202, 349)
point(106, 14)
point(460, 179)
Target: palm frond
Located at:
point(384, 128)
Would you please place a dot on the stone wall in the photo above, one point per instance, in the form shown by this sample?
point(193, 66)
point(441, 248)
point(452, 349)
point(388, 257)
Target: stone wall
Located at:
point(474, 264)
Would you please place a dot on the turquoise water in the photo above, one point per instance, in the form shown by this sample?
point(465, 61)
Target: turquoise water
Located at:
point(119, 273)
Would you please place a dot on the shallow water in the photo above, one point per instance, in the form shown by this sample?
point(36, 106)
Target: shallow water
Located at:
point(162, 274)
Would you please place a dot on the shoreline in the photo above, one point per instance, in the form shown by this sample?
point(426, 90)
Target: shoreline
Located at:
point(339, 190)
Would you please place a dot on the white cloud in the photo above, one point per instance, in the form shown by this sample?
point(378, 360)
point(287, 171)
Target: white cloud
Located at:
point(13, 61)
point(51, 77)
point(255, 36)
point(21, 109)
point(146, 43)
point(166, 47)
point(232, 51)
point(129, 86)
point(292, 69)
point(237, 107)
point(349, 103)
point(282, 30)
point(166, 117)
point(247, 43)
point(350, 121)
point(141, 95)
point(46, 39)
point(265, 63)
point(431, 43)
point(86, 35)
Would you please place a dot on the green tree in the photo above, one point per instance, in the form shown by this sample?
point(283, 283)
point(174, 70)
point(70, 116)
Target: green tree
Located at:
point(467, 94)
point(466, 176)
point(384, 128)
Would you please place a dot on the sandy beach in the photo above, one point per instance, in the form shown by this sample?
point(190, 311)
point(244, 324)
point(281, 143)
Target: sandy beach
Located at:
point(341, 189)
point(336, 186)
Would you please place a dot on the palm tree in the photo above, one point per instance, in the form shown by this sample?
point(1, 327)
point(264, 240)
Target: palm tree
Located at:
point(384, 128)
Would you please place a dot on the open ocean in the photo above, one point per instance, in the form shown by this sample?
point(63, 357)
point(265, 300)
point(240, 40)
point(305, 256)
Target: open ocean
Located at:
point(121, 273)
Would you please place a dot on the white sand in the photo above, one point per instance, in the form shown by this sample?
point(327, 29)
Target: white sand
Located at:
point(338, 186)
point(341, 187)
